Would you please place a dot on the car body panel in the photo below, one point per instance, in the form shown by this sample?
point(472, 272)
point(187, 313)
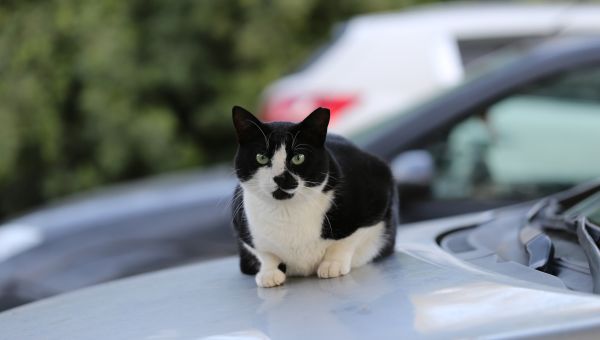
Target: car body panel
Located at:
point(165, 192)
point(419, 292)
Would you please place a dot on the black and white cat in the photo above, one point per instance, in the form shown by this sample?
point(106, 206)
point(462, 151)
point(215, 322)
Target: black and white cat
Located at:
point(308, 202)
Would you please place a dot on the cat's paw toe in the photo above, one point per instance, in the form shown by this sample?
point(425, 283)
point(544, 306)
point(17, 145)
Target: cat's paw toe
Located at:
point(329, 269)
point(270, 278)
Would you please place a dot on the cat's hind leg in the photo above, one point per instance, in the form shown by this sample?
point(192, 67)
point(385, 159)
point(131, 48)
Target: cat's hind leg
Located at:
point(352, 251)
point(270, 273)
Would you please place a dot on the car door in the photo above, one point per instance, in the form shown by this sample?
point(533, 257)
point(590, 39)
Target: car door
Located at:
point(539, 139)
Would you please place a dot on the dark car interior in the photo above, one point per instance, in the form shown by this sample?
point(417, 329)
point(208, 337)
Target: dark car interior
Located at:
point(487, 160)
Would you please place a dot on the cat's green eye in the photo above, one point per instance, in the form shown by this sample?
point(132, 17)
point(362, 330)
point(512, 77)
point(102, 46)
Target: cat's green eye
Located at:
point(262, 159)
point(298, 159)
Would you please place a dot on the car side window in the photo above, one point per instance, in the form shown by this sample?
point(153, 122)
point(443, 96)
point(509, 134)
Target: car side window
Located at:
point(537, 141)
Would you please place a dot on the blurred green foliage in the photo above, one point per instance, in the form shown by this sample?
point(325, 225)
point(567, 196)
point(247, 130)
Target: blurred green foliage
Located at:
point(94, 92)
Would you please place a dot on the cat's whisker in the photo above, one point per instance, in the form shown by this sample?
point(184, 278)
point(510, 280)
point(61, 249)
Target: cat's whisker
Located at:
point(229, 200)
point(302, 147)
point(235, 197)
point(291, 136)
point(269, 139)
point(263, 133)
point(306, 145)
point(232, 172)
point(222, 201)
point(331, 177)
point(236, 211)
point(323, 182)
point(313, 182)
point(317, 187)
point(294, 139)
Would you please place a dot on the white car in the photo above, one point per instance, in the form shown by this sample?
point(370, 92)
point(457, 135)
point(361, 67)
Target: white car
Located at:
point(379, 64)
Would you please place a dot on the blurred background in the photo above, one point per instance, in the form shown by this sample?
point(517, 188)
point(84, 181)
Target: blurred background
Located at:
point(116, 139)
point(109, 91)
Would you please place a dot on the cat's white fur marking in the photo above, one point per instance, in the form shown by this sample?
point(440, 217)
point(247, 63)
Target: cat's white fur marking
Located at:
point(278, 161)
point(289, 231)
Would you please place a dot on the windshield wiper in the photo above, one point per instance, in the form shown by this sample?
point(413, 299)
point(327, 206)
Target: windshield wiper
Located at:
point(561, 213)
point(538, 245)
point(588, 235)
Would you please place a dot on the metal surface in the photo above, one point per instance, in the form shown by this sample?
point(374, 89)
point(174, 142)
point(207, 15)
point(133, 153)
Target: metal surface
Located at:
point(420, 292)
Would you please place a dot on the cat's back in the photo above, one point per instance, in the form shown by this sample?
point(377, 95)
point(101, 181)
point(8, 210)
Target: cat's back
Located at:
point(364, 189)
point(354, 162)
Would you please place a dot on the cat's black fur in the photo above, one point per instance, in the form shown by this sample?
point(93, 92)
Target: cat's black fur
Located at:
point(365, 193)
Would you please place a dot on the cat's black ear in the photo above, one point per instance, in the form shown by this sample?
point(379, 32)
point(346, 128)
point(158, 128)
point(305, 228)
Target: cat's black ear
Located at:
point(247, 127)
point(315, 126)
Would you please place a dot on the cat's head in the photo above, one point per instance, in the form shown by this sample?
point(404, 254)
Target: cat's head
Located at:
point(279, 160)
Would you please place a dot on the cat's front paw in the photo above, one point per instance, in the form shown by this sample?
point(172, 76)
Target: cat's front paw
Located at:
point(332, 268)
point(270, 278)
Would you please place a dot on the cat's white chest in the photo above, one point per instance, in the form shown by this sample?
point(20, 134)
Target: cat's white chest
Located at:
point(290, 229)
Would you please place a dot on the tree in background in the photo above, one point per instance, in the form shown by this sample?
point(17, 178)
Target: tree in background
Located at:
point(94, 92)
